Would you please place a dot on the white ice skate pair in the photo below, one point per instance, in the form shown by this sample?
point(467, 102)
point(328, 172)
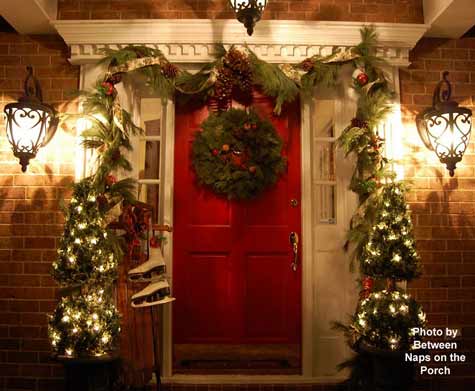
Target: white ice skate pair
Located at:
point(153, 271)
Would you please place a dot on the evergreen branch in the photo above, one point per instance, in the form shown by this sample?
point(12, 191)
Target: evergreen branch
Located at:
point(273, 81)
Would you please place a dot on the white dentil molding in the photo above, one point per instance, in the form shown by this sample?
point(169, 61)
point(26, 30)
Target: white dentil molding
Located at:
point(192, 40)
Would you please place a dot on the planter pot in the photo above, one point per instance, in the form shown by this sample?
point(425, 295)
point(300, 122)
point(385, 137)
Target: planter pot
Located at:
point(390, 371)
point(90, 373)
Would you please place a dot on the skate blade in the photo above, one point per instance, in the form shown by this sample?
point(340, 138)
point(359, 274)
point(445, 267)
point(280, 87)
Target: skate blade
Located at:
point(146, 277)
point(150, 304)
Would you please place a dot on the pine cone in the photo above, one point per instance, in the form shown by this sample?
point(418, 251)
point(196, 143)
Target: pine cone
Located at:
point(169, 70)
point(307, 64)
point(241, 73)
point(358, 123)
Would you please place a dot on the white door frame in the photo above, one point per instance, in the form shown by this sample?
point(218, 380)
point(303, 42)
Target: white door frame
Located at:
point(192, 42)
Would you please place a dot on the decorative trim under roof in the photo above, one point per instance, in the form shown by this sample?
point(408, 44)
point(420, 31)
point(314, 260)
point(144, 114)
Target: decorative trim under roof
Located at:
point(192, 40)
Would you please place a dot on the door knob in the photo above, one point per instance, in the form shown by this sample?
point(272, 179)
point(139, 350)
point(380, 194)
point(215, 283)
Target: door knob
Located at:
point(294, 243)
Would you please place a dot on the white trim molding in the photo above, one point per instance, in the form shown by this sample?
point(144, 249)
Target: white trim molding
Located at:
point(193, 40)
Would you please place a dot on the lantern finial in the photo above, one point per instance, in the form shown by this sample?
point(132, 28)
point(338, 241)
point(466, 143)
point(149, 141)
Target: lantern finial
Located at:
point(248, 12)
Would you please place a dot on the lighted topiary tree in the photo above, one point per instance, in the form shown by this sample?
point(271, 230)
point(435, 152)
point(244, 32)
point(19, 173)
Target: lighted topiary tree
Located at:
point(86, 322)
point(389, 248)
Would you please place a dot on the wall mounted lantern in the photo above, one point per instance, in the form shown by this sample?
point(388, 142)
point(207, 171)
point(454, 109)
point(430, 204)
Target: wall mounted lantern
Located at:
point(445, 127)
point(248, 12)
point(30, 124)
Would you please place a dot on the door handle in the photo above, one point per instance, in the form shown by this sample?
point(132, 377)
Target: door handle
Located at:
point(294, 243)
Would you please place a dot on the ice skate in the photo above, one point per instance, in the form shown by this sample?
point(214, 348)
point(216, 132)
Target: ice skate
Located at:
point(154, 294)
point(149, 270)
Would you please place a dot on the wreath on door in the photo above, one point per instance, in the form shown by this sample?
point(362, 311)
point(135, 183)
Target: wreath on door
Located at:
point(237, 154)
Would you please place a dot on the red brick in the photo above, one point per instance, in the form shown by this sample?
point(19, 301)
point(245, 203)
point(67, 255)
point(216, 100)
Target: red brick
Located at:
point(445, 282)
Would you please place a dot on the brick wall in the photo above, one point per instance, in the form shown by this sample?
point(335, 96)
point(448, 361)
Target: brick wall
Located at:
point(30, 219)
point(443, 207)
point(400, 11)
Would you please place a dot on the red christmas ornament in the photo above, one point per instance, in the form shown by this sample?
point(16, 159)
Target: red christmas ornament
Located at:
point(225, 147)
point(110, 180)
point(362, 79)
point(367, 287)
point(247, 126)
point(108, 87)
point(252, 169)
point(254, 126)
point(215, 152)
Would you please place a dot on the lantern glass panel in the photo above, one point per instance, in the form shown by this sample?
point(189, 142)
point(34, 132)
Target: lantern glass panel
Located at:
point(26, 127)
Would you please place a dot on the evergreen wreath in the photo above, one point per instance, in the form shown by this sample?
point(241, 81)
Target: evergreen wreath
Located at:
point(237, 154)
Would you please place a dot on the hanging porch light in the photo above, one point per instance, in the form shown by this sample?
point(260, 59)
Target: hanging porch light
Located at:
point(248, 12)
point(445, 127)
point(30, 124)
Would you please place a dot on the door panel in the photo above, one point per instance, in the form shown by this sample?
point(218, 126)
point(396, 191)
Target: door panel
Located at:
point(232, 275)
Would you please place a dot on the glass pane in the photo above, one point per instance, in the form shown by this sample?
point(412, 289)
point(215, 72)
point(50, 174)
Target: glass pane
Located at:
point(324, 162)
point(323, 115)
point(150, 194)
point(325, 204)
point(152, 127)
point(150, 160)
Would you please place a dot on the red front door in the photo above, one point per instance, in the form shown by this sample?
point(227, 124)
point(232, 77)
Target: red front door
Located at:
point(232, 274)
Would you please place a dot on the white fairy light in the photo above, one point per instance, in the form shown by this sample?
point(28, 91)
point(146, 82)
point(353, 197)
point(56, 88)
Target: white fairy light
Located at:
point(79, 208)
point(397, 258)
point(65, 319)
point(392, 309)
point(69, 352)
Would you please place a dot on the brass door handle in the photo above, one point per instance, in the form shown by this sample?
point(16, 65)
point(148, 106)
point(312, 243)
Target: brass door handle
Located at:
point(294, 243)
